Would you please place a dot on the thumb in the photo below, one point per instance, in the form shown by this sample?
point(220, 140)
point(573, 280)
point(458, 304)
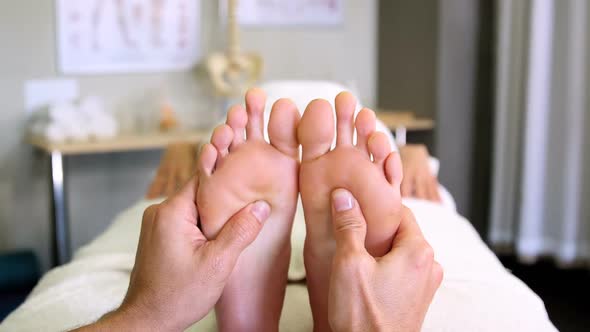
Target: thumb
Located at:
point(241, 229)
point(350, 228)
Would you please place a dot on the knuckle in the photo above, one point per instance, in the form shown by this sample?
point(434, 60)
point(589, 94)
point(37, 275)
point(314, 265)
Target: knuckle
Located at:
point(348, 221)
point(162, 214)
point(149, 214)
point(171, 204)
point(150, 210)
point(158, 214)
point(438, 274)
point(423, 255)
point(244, 228)
point(407, 214)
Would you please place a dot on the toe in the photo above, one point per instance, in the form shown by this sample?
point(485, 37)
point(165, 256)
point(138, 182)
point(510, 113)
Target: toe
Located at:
point(282, 127)
point(379, 147)
point(393, 169)
point(207, 159)
point(345, 106)
point(222, 137)
point(365, 126)
point(237, 119)
point(255, 102)
point(316, 129)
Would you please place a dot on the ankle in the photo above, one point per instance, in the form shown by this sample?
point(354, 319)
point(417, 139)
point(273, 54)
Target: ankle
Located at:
point(248, 312)
point(263, 324)
point(321, 326)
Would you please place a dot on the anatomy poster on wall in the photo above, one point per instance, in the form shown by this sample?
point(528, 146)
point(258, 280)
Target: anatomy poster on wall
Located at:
point(114, 36)
point(287, 12)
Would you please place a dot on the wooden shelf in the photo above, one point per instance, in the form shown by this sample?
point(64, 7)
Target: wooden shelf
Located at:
point(406, 119)
point(156, 140)
point(128, 142)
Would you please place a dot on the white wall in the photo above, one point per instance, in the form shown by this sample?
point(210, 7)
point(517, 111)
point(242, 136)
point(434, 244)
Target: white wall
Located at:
point(100, 186)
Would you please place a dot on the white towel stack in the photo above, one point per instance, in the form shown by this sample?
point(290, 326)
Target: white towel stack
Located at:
point(81, 121)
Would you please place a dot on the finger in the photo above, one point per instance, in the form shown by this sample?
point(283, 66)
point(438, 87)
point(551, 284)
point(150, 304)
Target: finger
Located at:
point(437, 275)
point(428, 189)
point(155, 189)
point(188, 191)
point(178, 180)
point(407, 187)
point(434, 280)
point(408, 234)
point(187, 171)
point(181, 206)
point(420, 188)
point(350, 228)
point(432, 190)
point(435, 191)
point(147, 221)
point(241, 230)
point(428, 180)
point(148, 217)
point(170, 186)
point(184, 170)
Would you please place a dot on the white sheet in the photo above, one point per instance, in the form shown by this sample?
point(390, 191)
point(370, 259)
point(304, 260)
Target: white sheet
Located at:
point(477, 293)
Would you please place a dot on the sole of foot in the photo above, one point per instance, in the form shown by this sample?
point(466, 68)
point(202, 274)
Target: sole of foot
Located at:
point(368, 169)
point(239, 167)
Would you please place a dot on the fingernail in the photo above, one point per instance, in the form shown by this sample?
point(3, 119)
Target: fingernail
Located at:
point(260, 210)
point(342, 200)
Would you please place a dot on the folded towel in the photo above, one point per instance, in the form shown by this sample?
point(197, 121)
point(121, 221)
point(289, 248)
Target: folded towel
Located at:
point(68, 121)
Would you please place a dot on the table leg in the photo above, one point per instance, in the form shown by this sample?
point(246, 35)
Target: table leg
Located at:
point(60, 226)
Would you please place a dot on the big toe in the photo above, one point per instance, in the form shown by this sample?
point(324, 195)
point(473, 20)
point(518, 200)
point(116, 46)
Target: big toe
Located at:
point(282, 127)
point(316, 129)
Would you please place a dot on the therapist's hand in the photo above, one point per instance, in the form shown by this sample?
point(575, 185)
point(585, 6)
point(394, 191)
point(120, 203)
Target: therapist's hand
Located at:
point(179, 274)
point(177, 166)
point(418, 179)
point(391, 293)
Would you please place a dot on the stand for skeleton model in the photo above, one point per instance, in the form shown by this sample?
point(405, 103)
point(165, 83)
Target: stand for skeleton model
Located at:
point(233, 72)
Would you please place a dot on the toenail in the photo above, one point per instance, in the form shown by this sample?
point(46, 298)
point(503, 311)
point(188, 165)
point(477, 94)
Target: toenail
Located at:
point(342, 200)
point(260, 210)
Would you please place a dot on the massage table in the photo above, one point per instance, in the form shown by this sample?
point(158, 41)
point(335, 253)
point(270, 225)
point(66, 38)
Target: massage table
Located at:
point(477, 293)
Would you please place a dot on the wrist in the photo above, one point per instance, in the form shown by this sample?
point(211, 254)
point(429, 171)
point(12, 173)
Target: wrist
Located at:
point(361, 326)
point(363, 315)
point(132, 318)
point(115, 321)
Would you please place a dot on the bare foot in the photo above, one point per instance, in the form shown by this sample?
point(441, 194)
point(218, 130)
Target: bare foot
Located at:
point(369, 170)
point(234, 171)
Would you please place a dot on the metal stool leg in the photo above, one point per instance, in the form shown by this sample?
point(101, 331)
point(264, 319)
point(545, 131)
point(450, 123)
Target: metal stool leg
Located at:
point(60, 227)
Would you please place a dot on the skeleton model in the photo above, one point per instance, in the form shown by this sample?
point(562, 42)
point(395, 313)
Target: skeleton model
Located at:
point(233, 72)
